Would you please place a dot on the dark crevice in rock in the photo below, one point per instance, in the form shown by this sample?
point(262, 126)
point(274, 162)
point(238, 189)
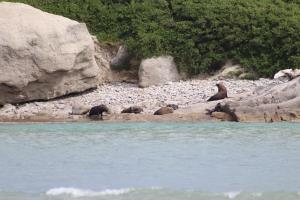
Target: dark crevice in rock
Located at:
point(74, 94)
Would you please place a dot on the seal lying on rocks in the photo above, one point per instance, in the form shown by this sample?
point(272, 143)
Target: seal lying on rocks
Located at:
point(133, 109)
point(222, 93)
point(164, 110)
point(98, 110)
point(224, 109)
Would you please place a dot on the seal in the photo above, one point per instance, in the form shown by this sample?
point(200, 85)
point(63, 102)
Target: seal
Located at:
point(222, 93)
point(164, 110)
point(97, 111)
point(133, 109)
point(224, 109)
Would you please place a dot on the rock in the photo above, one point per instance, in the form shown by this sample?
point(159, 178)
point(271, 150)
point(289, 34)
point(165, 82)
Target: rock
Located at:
point(222, 116)
point(43, 56)
point(164, 110)
point(158, 71)
point(274, 103)
point(248, 76)
point(121, 60)
point(8, 109)
point(79, 109)
point(229, 70)
point(287, 74)
point(103, 56)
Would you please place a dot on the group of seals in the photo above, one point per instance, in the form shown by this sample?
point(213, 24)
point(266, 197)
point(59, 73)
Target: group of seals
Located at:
point(97, 111)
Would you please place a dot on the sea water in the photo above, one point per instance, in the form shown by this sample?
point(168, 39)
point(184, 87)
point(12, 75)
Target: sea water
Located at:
point(150, 161)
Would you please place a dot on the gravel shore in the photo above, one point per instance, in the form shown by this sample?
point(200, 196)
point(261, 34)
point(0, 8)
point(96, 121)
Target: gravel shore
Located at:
point(121, 95)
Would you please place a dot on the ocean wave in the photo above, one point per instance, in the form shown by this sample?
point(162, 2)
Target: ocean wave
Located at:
point(232, 195)
point(75, 192)
point(147, 193)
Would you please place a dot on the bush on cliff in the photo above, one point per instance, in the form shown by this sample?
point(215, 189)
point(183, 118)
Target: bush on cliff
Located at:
point(263, 35)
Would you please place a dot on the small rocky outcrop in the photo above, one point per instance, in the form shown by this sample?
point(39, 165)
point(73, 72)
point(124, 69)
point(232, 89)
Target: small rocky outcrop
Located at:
point(158, 71)
point(287, 74)
point(229, 70)
point(80, 109)
point(104, 54)
point(43, 56)
point(269, 104)
point(233, 70)
point(121, 60)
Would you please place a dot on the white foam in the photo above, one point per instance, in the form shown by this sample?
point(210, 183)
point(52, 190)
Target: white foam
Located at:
point(232, 195)
point(75, 192)
point(258, 194)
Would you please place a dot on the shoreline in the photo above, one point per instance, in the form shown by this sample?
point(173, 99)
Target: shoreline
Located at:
point(190, 96)
point(180, 116)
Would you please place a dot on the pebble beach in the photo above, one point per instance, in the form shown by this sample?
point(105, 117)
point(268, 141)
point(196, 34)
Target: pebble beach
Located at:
point(118, 96)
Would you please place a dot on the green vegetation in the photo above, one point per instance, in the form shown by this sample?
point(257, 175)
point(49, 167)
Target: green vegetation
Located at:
point(263, 35)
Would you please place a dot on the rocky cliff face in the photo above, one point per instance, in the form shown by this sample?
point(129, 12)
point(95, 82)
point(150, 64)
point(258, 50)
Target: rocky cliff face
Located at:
point(43, 56)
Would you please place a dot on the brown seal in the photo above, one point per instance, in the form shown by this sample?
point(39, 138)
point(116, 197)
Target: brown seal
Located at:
point(133, 109)
point(164, 110)
point(222, 93)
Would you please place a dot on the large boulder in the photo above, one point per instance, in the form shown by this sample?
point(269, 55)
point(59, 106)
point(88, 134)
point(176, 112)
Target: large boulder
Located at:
point(43, 56)
point(157, 71)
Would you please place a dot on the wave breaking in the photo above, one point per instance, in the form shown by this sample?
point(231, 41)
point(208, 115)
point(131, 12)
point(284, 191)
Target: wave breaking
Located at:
point(75, 192)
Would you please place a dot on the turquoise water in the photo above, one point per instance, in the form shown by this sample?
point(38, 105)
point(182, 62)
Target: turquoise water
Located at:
point(149, 161)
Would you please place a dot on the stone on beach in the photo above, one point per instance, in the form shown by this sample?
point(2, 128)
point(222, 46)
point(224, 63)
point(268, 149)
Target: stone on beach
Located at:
point(158, 71)
point(79, 109)
point(288, 74)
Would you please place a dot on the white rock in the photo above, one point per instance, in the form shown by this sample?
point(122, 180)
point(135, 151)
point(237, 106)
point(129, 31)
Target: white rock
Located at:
point(80, 109)
point(43, 55)
point(158, 71)
point(8, 109)
point(287, 74)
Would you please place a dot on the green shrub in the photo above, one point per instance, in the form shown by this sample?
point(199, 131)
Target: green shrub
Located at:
point(263, 35)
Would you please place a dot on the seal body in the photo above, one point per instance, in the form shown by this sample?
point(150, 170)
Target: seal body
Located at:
point(164, 110)
point(133, 109)
point(222, 93)
point(97, 111)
